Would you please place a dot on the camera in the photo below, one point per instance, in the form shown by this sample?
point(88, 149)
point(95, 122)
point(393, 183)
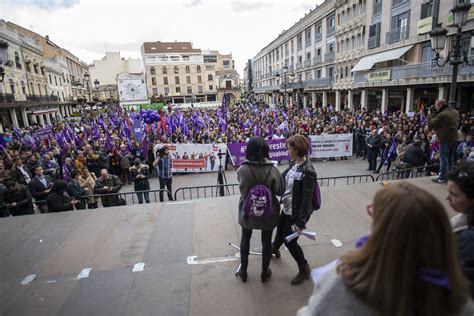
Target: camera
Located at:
point(220, 154)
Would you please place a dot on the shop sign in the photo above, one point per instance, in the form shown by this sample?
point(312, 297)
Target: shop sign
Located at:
point(424, 26)
point(379, 75)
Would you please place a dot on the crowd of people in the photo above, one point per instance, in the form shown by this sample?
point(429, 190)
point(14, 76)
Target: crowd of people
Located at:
point(100, 152)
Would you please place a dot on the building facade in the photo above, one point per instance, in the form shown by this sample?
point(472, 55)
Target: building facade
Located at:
point(183, 74)
point(106, 70)
point(36, 87)
point(363, 53)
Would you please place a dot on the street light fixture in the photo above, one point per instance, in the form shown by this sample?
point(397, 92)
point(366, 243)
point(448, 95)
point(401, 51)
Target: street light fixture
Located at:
point(287, 79)
point(86, 79)
point(456, 56)
point(3, 58)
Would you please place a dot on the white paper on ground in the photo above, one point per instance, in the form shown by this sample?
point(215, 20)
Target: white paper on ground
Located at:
point(138, 267)
point(84, 273)
point(336, 243)
point(28, 279)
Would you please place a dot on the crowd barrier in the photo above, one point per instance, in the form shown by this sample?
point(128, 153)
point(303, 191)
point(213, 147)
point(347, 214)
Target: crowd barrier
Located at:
point(407, 173)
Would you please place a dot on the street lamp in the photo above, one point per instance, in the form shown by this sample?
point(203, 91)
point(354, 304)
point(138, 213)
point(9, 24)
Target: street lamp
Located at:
point(286, 81)
point(96, 85)
point(456, 56)
point(86, 79)
point(3, 58)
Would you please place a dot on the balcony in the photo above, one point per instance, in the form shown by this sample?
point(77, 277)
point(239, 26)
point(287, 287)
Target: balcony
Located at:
point(397, 35)
point(319, 83)
point(331, 31)
point(328, 57)
point(317, 60)
point(7, 98)
point(307, 63)
point(418, 72)
point(41, 98)
point(373, 42)
point(378, 8)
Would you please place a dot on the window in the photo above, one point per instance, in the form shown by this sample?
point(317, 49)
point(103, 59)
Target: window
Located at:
point(209, 77)
point(318, 73)
point(39, 89)
point(308, 38)
point(166, 90)
point(60, 82)
point(226, 63)
point(35, 67)
point(28, 66)
point(152, 70)
point(50, 81)
point(200, 89)
point(188, 79)
point(155, 91)
point(17, 60)
point(176, 80)
point(198, 69)
point(346, 71)
point(185, 58)
point(210, 58)
point(188, 70)
point(153, 81)
point(164, 70)
point(299, 42)
point(228, 84)
point(331, 22)
point(176, 69)
point(42, 70)
point(426, 9)
point(23, 87)
point(189, 90)
point(308, 56)
point(165, 81)
point(199, 79)
point(178, 90)
point(210, 87)
point(55, 81)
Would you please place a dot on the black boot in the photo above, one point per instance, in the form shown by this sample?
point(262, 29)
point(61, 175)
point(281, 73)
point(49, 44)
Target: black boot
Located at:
point(303, 274)
point(266, 275)
point(242, 274)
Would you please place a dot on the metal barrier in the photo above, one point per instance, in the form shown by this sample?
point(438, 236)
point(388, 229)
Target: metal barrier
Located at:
point(407, 173)
point(362, 178)
point(206, 191)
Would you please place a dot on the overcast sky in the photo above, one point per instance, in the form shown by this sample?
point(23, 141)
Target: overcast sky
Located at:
point(88, 28)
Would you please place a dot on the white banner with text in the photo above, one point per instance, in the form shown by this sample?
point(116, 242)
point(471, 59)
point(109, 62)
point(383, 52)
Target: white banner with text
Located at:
point(333, 145)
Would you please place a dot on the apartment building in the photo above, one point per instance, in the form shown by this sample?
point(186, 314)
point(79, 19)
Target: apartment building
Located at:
point(184, 74)
point(36, 85)
point(363, 53)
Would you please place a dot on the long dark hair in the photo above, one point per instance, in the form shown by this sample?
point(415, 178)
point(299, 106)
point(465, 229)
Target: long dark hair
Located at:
point(257, 150)
point(463, 176)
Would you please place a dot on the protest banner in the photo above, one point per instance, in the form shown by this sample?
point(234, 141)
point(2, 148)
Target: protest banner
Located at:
point(196, 157)
point(278, 151)
point(333, 145)
point(43, 133)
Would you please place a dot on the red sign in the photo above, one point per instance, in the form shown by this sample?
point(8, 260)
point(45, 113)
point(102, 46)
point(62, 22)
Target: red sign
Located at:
point(189, 163)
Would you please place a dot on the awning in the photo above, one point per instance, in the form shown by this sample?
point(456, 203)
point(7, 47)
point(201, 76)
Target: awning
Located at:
point(367, 62)
point(44, 111)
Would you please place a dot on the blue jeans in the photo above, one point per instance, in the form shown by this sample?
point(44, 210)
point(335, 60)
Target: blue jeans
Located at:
point(446, 158)
point(140, 196)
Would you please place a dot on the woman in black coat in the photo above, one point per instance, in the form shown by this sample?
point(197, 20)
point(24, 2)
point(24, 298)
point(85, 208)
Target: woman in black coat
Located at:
point(300, 180)
point(57, 200)
point(461, 199)
point(18, 199)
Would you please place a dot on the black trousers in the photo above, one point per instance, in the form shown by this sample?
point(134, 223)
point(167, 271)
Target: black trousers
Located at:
point(372, 158)
point(283, 230)
point(166, 182)
point(266, 248)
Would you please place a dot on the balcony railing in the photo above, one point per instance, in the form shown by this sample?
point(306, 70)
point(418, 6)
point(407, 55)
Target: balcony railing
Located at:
point(416, 71)
point(397, 35)
point(318, 83)
point(298, 66)
point(328, 57)
point(317, 60)
point(42, 98)
point(331, 31)
point(7, 98)
point(373, 42)
point(307, 63)
point(319, 37)
point(378, 8)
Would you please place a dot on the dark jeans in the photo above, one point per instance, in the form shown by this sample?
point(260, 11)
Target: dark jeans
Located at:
point(389, 163)
point(140, 196)
point(446, 158)
point(266, 248)
point(372, 158)
point(166, 182)
point(283, 230)
point(125, 176)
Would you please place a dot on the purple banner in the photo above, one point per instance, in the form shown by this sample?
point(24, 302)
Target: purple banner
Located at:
point(278, 151)
point(43, 133)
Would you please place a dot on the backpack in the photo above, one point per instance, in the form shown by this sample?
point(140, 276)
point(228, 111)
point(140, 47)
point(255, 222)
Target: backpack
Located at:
point(258, 203)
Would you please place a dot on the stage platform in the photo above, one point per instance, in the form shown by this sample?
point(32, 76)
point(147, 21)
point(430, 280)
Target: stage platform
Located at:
point(189, 266)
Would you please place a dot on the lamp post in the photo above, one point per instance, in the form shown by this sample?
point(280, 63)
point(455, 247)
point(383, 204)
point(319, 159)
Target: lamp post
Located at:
point(97, 85)
point(456, 56)
point(3, 58)
point(286, 81)
point(86, 78)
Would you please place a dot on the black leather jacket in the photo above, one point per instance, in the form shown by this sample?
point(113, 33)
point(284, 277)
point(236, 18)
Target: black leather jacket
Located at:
point(302, 200)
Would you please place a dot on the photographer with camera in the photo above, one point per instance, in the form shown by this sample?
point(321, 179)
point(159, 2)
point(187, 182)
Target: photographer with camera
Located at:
point(444, 121)
point(163, 166)
point(139, 174)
